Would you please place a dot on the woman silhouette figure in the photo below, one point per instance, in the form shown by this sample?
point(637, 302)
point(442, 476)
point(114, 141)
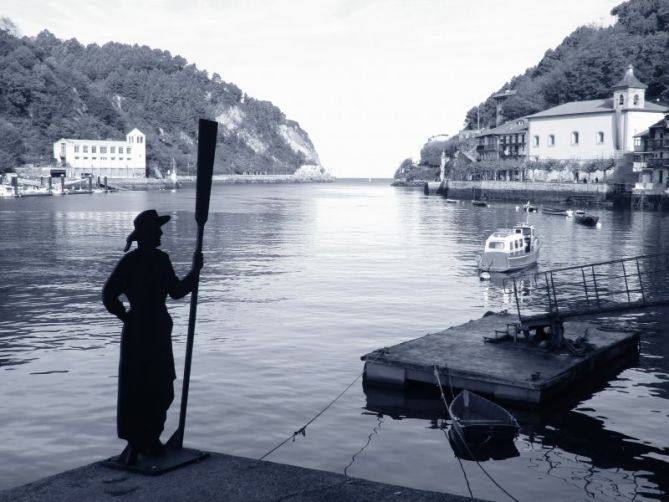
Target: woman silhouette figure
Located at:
point(146, 367)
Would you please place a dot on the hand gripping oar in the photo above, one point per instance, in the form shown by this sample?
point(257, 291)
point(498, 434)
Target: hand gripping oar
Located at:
point(206, 149)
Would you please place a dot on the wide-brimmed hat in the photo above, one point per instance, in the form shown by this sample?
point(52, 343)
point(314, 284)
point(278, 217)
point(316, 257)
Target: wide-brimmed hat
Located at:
point(145, 222)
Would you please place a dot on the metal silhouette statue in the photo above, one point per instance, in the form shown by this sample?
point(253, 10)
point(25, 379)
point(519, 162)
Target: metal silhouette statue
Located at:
point(146, 368)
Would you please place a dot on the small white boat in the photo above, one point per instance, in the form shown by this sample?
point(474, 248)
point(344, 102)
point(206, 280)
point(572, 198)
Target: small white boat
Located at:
point(7, 191)
point(478, 420)
point(510, 249)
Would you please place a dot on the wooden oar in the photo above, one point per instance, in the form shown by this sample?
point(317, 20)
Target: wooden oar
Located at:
point(206, 149)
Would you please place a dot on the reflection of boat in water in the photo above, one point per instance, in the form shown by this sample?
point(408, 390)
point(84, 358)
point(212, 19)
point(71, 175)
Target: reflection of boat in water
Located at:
point(478, 420)
point(480, 203)
point(481, 452)
point(510, 249)
point(557, 211)
point(584, 218)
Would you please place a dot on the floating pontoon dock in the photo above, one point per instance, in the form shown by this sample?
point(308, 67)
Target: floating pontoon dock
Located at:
point(516, 372)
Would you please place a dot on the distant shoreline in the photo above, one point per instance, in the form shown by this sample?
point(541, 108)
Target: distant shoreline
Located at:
point(189, 181)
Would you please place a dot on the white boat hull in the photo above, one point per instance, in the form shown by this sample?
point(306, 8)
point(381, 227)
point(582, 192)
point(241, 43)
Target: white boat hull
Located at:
point(498, 261)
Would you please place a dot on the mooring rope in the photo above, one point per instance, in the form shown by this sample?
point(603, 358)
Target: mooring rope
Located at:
point(303, 430)
point(443, 397)
point(462, 468)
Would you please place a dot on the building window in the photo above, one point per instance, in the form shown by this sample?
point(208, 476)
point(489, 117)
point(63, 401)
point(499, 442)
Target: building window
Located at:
point(120, 149)
point(94, 149)
point(600, 138)
point(574, 138)
point(551, 140)
point(76, 148)
point(113, 158)
point(103, 149)
point(76, 157)
point(112, 149)
point(535, 140)
point(636, 100)
point(621, 100)
point(85, 149)
point(661, 174)
point(127, 151)
point(140, 140)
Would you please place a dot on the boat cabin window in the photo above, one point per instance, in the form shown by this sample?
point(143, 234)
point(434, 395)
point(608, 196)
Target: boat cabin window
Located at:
point(496, 245)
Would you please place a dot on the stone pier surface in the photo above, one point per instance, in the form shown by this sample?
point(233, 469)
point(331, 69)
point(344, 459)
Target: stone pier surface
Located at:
point(218, 477)
point(517, 372)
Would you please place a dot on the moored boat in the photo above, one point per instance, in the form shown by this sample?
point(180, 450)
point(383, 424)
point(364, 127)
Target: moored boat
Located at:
point(510, 249)
point(480, 203)
point(584, 218)
point(475, 419)
point(530, 208)
point(7, 191)
point(557, 211)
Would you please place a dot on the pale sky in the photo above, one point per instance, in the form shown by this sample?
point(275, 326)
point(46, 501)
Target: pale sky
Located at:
point(369, 80)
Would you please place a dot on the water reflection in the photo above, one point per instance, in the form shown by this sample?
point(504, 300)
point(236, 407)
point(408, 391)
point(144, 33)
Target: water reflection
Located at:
point(561, 443)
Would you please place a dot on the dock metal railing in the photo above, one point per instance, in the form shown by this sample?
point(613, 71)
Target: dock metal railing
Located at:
point(614, 285)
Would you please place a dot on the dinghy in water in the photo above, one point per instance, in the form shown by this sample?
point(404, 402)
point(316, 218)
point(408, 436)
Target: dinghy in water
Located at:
point(478, 420)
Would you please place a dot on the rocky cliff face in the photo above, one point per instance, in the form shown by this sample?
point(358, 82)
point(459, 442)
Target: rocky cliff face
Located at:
point(56, 89)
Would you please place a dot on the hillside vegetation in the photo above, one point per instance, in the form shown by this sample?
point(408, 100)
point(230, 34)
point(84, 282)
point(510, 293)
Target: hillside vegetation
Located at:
point(54, 89)
point(590, 61)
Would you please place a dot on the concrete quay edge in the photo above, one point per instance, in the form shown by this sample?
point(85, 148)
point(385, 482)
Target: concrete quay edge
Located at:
point(218, 477)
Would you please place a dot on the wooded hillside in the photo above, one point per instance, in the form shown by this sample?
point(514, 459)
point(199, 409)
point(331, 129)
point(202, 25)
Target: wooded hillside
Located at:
point(54, 89)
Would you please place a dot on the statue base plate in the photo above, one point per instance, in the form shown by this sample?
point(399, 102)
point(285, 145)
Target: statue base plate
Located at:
point(153, 466)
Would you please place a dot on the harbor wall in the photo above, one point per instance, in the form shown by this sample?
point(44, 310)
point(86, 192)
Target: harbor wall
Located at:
point(539, 191)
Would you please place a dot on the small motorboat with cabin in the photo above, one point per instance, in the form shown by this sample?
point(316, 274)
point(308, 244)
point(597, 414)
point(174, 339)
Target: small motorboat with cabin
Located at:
point(584, 218)
point(480, 203)
point(510, 249)
point(475, 419)
point(7, 191)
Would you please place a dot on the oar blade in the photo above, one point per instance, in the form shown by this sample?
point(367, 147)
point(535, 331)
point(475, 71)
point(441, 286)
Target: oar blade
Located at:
point(206, 151)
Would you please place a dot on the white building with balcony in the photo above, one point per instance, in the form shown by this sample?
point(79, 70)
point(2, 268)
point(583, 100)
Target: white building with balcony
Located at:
point(113, 159)
point(651, 159)
point(594, 129)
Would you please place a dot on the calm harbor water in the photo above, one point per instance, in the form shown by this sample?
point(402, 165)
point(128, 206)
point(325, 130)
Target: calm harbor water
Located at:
point(299, 282)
